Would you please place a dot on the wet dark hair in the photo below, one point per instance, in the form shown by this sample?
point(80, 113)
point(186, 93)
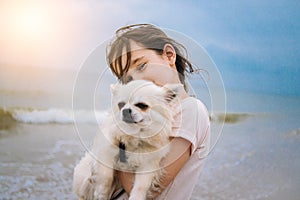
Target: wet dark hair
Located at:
point(150, 37)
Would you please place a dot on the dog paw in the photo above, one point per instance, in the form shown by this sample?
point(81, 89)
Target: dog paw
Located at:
point(101, 193)
point(100, 197)
point(137, 197)
point(87, 188)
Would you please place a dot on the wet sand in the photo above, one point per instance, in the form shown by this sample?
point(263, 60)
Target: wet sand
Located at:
point(252, 160)
point(37, 161)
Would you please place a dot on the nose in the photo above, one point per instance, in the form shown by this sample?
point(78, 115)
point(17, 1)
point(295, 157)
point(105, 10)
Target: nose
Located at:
point(134, 76)
point(127, 117)
point(126, 79)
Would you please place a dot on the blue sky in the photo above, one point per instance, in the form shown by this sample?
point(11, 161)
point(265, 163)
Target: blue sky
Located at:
point(255, 44)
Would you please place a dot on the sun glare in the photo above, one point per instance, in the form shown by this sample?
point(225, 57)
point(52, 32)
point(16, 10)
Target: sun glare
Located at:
point(29, 32)
point(30, 22)
point(39, 33)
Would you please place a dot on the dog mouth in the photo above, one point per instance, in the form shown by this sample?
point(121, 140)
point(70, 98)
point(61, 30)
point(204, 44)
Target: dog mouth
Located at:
point(130, 120)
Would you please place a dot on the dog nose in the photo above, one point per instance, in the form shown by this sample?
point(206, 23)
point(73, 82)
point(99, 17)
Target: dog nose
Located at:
point(126, 111)
point(127, 115)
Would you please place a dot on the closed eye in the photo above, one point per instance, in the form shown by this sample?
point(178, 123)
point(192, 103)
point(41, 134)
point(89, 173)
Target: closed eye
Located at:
point(142, 106)
point(121, 105)
point(141, 67)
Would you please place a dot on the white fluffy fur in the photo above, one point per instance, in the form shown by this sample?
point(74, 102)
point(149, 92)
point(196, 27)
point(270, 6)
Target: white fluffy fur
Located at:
point(146, 137)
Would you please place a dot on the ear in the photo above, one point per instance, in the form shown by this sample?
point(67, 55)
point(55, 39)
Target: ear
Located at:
point(172, 91)
point(170, 53)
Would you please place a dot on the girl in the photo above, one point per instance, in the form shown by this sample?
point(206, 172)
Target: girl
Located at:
point(144, 51)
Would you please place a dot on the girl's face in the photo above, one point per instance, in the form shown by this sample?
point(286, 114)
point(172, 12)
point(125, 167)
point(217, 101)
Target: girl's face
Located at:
point(149, 65)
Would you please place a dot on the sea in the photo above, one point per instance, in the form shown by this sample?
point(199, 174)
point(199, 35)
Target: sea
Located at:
point(49, 119)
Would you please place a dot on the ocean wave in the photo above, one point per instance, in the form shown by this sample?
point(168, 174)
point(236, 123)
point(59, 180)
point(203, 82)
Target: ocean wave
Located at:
point(52, 115)
point(294, 133)
point(230, 118)
point(10, 116)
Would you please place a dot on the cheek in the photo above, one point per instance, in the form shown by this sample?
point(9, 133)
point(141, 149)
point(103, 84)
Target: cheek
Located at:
point(163, 74)
point(151, 73)
point(159, 74)
point(137, 116)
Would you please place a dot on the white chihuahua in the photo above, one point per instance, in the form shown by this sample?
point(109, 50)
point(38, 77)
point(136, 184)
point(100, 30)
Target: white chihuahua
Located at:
point(136, 139)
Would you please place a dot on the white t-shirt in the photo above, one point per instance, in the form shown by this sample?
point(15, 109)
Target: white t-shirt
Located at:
point(192, 123)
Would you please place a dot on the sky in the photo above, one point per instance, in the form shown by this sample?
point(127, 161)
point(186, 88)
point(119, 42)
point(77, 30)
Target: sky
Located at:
point(255, 44)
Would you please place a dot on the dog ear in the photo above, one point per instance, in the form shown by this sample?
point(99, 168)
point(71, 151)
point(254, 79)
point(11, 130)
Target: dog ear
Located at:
point(172, 91)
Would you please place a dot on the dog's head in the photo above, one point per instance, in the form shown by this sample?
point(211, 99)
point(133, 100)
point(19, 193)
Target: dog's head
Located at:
point(142, 108)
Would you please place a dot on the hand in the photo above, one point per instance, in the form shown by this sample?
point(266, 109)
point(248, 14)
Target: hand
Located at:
point(172, 164)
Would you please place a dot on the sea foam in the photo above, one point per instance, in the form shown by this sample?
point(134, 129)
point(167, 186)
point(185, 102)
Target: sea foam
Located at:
point(52, 115)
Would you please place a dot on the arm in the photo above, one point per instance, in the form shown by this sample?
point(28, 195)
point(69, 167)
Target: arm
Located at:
point(175, 160)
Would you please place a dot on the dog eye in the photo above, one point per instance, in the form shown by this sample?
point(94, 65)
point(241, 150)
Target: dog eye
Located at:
point(142, 106)
point(121, 105)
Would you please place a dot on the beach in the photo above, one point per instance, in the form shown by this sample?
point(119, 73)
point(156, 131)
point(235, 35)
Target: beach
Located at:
point(240, 58)
point(255, 157)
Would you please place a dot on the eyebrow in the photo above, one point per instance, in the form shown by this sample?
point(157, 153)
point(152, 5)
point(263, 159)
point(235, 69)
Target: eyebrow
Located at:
point(137, 59)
